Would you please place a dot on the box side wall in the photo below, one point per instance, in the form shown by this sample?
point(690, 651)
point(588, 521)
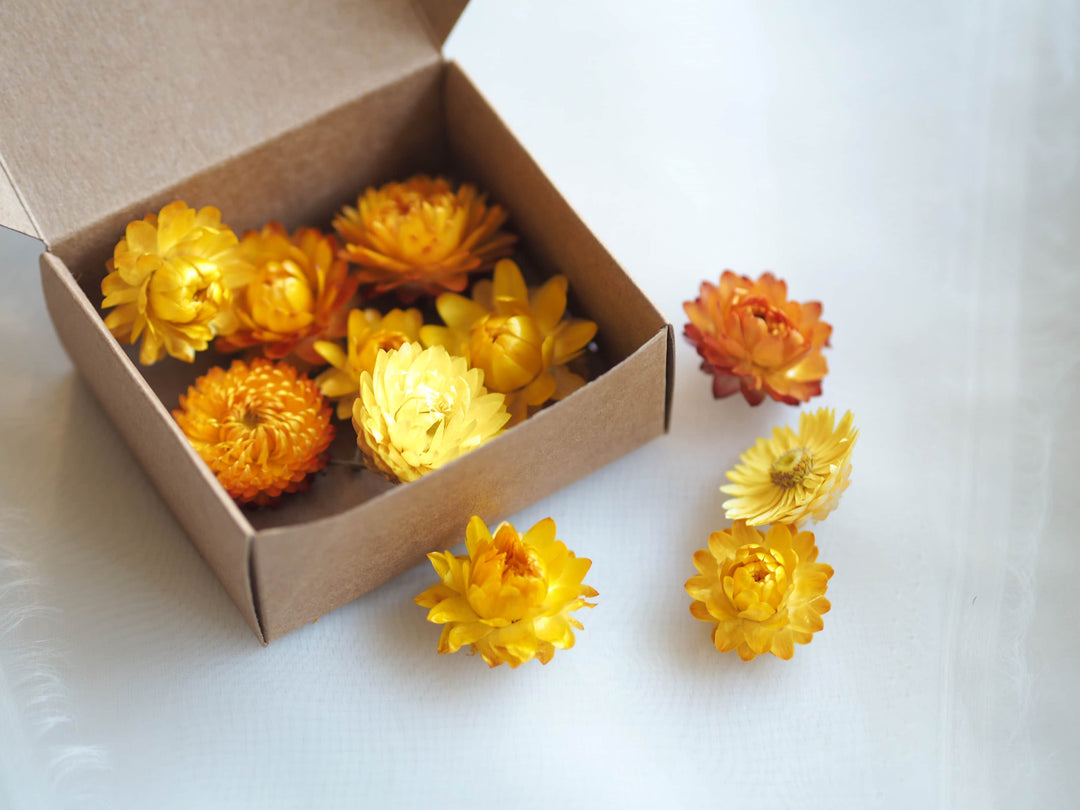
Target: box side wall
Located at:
point(487, 152)
point(306, 571)
point(215, 525)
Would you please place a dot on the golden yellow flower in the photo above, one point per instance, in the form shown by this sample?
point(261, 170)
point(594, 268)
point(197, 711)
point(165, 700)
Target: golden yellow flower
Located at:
point(794, 476)
point(518, 337)
point(170, 281)
point(765, 592)
point(751, 337)
point(297, 294)
point(420, 409)
point(368, 332)
point(421, 236)
point(261, 428)
point(511, 597)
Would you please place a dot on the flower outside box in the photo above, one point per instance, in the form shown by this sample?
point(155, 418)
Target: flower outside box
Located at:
point(94, 139)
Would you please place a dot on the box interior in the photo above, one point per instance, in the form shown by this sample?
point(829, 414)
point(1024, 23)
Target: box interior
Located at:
point(431, 121)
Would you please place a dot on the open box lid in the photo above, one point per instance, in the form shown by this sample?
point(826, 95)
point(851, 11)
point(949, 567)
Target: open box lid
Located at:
point(106, 102)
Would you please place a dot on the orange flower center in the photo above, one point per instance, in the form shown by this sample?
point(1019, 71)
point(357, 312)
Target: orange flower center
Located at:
point(756, 581)
point(510, 578)
point(791, 468)
point(369, 351)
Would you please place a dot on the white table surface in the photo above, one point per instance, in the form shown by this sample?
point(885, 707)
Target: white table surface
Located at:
point(914, 167)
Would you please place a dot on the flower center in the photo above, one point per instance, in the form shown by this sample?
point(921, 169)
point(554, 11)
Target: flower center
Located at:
point(791, 468)
point(756, 581)
point(508, 349)
point(251, 419)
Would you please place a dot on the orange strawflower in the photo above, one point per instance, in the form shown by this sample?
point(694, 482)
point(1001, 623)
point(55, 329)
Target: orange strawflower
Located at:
point(297, 295)
point(750, 336)
point(421, 236)
point(261, 428)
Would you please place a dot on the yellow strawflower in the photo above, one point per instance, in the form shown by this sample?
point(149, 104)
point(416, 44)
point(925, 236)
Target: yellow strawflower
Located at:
point(422, 236)
point(510, 599)
point(170, 281)
point(420, 409)
point(518, 337)
point(764, 592)
point(368, 332)
point(263, 429)
point(793, 476)
point(297, 294)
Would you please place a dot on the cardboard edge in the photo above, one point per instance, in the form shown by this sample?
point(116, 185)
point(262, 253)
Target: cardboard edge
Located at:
point(57, 280)
point(668, 399)
point(14, 213)
point(439, 17)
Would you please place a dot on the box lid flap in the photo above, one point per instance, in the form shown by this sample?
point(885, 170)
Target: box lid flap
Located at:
point(107, 102)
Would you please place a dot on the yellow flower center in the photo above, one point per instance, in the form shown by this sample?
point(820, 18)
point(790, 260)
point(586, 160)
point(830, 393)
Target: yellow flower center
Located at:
point(791, 468)
point(369, 349)
point(509, 578)
point(508, 349)
point(428, 227)
point(756, 581)
point(183, 291)
point(280, 297)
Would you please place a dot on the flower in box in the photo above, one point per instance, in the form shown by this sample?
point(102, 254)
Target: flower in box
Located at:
point(764, 593)
point(263, 429)
point(298, 293)
point(368, 332)
point(170, 282)
point(518, 337)
point(794, 475)
point(422, 236)
point(751, 337)
point(510, 599)
point(420, 409)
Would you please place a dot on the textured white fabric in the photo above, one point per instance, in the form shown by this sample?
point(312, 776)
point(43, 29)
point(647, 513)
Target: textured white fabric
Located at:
point(914, 167)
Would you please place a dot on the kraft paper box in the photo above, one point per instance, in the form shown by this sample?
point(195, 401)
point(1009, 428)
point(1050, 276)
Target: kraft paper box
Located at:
point(273, 109)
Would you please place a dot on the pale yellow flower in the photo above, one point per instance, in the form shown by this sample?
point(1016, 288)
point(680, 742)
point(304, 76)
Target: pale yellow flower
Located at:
point(518, 337)
point(420, 409)
point(765, 593)
point(510, 599)
point(170, 281)
point(794, 476)
point(263, 429)
point(422, 236)
point(298, 293)
point(368, 332)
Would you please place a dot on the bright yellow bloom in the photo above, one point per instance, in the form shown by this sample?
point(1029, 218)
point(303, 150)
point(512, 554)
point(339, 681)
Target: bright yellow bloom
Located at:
point(765, 592)
point(511, 597)
point(420, 409)
point(751, 337)
point(421, 236)
point(296, 296)
point(794, 476)
point(170, 279)
point(368, 332)
point(518, 337)
point(261, 428)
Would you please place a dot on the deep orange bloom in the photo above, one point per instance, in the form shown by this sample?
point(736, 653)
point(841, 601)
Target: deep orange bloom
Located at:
point(422, 236)
point(261, 428)
point(751, 337)
point(297, 295)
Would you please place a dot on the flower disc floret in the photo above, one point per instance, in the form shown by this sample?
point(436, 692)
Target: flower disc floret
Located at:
point(511, 597)
point(752, 338)
point(171, 281)
point(764, 593)
point(262, 429)
point(420, 409)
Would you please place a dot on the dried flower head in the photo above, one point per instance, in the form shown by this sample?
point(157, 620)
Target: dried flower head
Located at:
point(750, 336)
point(261, 428)
point(794, 476)
point(368, 332)
point(510, 599)
point(297, 294)
point(518, 337)
point(420, 409)
point(421, 236)
point(764, 592)
point(170, 281)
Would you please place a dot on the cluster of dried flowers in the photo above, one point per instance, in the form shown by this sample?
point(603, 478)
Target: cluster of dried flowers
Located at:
point(418, 395)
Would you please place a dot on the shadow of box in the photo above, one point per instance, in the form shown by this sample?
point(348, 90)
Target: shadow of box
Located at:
point(351, 531)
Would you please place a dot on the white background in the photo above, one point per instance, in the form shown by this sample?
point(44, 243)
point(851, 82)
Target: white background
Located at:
point(914, 167)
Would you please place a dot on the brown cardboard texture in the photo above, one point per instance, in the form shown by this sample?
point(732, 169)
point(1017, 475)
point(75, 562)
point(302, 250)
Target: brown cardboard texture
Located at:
point(408, 111)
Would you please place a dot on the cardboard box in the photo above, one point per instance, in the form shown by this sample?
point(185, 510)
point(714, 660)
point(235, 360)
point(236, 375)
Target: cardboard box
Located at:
point(283, 110)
